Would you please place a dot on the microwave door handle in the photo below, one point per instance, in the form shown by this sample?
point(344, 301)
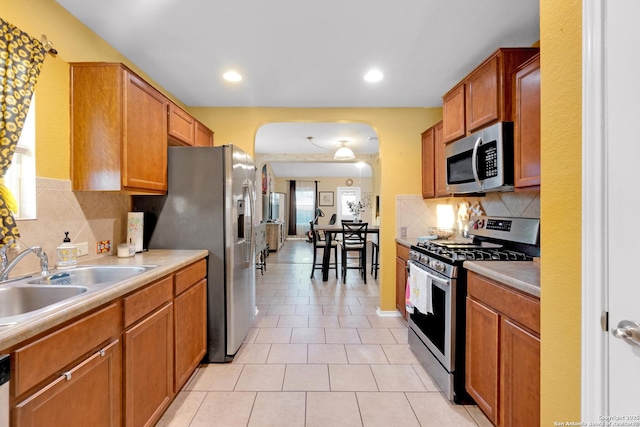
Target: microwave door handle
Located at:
point(474, 161)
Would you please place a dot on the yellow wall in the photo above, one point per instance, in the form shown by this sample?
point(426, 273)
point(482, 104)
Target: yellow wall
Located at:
point(561, 71)
point(398, 132)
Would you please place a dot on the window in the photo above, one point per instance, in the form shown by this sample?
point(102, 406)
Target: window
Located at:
point(305, 206)
point(21, 176)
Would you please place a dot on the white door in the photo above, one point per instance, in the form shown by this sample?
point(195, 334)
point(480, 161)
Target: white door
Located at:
point(346, 194)
point(611, 183)
point(622, 93)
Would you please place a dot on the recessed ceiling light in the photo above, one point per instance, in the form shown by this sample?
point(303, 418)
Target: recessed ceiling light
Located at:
point(232, 76)
point(373, 76)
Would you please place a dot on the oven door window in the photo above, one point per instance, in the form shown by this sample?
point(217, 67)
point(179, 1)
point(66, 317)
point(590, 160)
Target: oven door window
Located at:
point(434, 325)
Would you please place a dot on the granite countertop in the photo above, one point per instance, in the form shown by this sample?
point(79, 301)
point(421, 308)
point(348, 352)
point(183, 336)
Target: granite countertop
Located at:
point(165, 261)
point(521, 275)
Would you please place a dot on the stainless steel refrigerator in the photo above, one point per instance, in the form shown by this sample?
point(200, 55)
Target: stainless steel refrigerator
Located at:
point(210, 205)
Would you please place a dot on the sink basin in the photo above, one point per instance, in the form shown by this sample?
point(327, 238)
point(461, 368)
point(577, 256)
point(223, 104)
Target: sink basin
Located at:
point(16, 300)
point(90, 275)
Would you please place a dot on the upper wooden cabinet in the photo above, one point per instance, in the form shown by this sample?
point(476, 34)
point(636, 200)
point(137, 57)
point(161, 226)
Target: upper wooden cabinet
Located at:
point(440, 164)
point(526, 118)
point(484, 96)
point(453, 110)
point(204, 135)
point(182, 127)
point(118, 131)
point(428, 175)
point(433, 163)
point(186, 130)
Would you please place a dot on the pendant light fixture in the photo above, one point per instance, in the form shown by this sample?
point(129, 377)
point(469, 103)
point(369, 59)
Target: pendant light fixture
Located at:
point(344, 152)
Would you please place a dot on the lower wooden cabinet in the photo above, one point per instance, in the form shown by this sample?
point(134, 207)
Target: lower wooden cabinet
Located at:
point(520, 376)
point(481, 367)
point(88, 394)
point(402, 256)
point(190, 331)
point(121, 364)
point(148, 368)
point(502, 357)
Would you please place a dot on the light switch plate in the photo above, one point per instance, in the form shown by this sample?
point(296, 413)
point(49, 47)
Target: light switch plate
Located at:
point(82, 248)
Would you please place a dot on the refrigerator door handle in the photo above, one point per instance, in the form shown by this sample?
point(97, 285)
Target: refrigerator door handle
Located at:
point(249, 240)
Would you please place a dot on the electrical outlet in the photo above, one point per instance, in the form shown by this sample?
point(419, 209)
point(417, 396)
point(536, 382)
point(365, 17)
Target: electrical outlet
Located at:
point(82, 248)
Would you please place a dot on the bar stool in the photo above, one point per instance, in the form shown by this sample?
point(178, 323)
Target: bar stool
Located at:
point(355, 240)
point(375, 253)
point(319, 243)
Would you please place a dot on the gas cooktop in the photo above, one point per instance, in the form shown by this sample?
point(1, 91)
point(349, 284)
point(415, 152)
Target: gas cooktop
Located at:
point(494, 239)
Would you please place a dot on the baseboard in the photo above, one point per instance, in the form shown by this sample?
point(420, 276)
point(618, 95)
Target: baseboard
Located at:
point(388, 313)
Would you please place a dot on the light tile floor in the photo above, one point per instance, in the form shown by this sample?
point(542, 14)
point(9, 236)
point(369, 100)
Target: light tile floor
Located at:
point(318, 355)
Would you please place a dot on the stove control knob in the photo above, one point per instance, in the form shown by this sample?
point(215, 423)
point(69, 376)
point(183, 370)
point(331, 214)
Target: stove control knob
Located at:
point(437, 265)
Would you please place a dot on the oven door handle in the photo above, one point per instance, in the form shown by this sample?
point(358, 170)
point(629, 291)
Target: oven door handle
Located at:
point(474, 161)
point(440, 282)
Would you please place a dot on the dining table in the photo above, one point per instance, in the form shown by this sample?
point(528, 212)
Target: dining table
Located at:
point(329, 231)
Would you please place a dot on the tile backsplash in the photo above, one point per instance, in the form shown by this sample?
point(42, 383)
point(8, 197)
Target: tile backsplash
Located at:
point(416, 214)
point(87, 216)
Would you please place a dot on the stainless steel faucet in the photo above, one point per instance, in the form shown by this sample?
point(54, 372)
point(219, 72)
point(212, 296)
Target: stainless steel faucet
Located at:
point(37, 250)
point(3, 254)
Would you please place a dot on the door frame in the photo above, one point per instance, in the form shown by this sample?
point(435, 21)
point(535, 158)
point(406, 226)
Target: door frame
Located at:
point(594, 359)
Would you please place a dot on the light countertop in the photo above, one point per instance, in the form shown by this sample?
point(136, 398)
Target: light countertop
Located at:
point(166, 262)
point(521, 275)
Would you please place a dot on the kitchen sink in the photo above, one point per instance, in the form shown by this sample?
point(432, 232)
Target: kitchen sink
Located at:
point(17, 300)
point(24, 298)
point(90, 275)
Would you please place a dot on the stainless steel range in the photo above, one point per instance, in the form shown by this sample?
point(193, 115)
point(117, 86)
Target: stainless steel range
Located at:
point(437, 336)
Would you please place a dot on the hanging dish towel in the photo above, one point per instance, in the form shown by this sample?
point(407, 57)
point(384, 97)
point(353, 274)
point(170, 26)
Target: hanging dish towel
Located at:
point(407, 296)
point(421, 297)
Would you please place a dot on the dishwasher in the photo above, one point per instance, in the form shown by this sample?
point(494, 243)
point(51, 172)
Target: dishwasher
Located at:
point(5, 373)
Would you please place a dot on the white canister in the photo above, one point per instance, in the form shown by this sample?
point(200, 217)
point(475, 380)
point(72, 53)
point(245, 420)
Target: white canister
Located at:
point(126, 250)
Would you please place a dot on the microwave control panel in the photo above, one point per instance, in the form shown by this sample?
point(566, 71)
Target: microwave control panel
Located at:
point(490, 156)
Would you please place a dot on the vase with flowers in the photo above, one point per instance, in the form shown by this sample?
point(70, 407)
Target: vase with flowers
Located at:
point(355, 209)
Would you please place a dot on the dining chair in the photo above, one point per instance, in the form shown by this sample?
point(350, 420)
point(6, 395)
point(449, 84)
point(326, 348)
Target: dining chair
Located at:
point(375, 255)
point(354, 247)
point(319, 243)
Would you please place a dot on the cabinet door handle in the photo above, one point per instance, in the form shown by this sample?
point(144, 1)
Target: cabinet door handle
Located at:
point(67, 375)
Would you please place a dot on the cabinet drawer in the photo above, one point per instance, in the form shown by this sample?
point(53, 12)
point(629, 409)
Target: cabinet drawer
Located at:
point(148, 299)
point(521, 308)
point(87, 395)
point(190, 275)
point(402, 252)
point(55, 352)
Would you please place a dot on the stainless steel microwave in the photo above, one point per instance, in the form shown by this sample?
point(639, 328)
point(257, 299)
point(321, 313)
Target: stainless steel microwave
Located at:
point(481, 162)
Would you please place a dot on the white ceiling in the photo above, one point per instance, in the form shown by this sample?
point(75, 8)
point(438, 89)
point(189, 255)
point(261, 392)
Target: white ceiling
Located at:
point(298, 53)
point(309, 159)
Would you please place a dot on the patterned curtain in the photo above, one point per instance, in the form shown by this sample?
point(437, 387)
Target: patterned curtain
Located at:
point(21, 58)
